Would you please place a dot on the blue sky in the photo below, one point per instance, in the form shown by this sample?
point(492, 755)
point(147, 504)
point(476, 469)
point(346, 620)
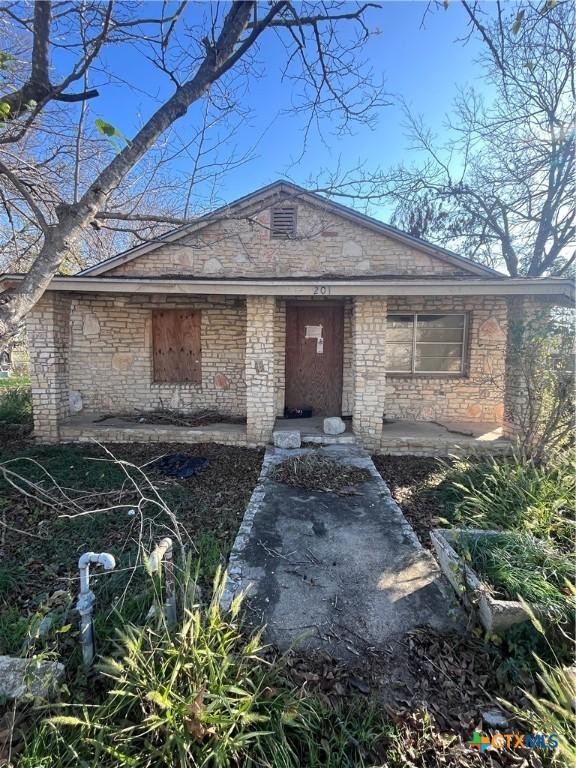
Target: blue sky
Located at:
point(422, 63)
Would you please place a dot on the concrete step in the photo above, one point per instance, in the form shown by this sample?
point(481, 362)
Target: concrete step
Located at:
point(346, 438)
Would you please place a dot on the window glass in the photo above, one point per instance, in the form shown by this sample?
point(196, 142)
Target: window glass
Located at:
point(427, 343)
point(437, 364)
point(439, 334)
point(399, 357)
point(441, 321)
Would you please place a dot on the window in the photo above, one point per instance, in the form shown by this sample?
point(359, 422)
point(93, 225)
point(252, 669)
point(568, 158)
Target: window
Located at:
point(424, 343)
point(177, 352)
point(283, 222)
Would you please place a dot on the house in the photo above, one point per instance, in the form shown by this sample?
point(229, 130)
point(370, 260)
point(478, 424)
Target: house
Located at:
point(279, 302)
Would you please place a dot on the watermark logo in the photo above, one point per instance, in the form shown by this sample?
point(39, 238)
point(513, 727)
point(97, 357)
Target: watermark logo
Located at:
point(479, 742)
point(513, 741)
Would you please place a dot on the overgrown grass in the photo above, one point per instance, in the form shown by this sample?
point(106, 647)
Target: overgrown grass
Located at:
point(18, 380)
point(552, 708)
point(15, 405)
point(45, 533)
point(518, 565)
point(513, 494)
point(202, 695)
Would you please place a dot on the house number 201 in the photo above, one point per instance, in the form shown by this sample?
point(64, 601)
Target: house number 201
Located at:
point(321, 290)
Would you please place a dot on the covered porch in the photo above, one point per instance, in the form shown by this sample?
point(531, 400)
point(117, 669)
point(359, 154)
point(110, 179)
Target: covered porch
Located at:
point(92, 351)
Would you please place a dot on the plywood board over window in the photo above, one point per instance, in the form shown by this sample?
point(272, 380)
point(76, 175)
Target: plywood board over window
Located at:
point(177, 350)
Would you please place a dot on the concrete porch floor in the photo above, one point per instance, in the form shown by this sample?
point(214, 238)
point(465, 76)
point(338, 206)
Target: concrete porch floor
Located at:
point(398, 437)
point(87, 428)
point(430, 438)
point(420, 437)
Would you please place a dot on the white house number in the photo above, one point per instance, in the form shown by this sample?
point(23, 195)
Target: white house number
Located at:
point(321, 290)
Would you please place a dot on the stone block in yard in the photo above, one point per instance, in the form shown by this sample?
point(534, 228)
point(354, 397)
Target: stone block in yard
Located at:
point(287, 438)
point(28, 677)
point(334, 425)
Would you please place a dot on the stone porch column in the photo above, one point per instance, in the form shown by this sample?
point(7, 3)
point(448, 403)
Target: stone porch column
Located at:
point(260, 411)
point(369, 368)
point(48, 329)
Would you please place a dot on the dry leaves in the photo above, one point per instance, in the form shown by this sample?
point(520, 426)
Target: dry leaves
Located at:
point(317, 472)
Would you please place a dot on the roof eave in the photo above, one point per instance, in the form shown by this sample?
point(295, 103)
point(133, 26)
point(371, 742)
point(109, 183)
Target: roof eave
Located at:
point(561, 289)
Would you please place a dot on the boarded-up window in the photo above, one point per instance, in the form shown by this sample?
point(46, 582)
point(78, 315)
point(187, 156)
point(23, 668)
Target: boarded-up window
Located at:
point(176, 346)
point(283, 222)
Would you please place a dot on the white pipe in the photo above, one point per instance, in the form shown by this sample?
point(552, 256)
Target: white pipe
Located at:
point(164, 551)
point(86, 600)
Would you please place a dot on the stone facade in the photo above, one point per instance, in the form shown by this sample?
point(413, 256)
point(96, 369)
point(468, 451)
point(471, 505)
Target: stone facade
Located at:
point(97, 350)
point(260, 370)
point(369, 368)
point(92, 353)
point(478, 396)
point(48, 326)
point(111, 354)
point(325, 244)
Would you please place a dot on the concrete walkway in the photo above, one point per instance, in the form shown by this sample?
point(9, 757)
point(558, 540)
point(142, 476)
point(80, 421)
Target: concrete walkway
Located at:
point(342, 573)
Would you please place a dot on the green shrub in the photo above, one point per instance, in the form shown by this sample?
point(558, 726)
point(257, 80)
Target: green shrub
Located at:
point(513, 493)
point(16, 406)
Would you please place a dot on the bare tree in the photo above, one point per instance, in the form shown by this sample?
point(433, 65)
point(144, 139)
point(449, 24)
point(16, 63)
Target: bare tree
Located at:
point(208, 64)
point(499, 183)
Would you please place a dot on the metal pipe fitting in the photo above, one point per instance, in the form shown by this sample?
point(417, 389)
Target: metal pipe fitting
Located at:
point(164, 552)
point(86, 600)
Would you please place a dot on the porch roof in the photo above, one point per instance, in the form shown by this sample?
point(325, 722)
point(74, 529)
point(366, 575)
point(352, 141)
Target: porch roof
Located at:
point(560, 289)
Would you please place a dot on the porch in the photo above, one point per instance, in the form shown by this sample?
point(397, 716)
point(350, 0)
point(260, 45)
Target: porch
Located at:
point(398, 437)
point(113, 348)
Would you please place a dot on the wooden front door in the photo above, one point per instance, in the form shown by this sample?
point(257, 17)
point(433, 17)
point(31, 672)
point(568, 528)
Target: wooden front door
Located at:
point(314, 350)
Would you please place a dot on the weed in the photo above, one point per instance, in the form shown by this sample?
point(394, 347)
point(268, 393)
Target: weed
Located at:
point(203, 695)
point(14, 630)
point(554, 710)
point(513, 493)
point(12, 578)
point(518, 565)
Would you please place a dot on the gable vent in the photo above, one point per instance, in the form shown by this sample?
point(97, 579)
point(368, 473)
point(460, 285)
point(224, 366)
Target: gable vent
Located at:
point(283, 222)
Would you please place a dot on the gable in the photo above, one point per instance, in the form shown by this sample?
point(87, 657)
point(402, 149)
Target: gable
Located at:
point(329, 240)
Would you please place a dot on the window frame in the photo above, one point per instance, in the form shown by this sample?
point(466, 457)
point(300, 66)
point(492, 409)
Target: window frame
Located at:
point(435, 374)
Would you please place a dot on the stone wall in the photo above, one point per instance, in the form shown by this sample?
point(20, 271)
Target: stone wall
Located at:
point(479, 395)
point(48, 328)
point(369, 368)
point(260, 369)
point(111, 354)
point(99, 350)
point(325, 244)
